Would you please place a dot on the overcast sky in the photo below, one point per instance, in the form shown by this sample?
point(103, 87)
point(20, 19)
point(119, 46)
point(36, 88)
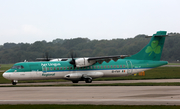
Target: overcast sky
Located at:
point(37, 20)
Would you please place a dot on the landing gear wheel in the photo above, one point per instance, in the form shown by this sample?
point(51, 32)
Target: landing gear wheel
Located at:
point(88, 80)
point(75, 81)
point(14, 83)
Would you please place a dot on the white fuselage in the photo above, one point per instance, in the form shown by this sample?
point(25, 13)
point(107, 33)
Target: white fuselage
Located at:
point(40, 75)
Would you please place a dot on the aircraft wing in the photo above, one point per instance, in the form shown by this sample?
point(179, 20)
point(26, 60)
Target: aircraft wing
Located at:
point(44, 59)
point(101, 59)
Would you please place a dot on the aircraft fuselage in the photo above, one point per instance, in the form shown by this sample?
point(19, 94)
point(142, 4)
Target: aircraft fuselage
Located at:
point(59, 70)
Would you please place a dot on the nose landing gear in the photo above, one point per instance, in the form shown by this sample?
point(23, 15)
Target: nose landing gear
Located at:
point(14, 82)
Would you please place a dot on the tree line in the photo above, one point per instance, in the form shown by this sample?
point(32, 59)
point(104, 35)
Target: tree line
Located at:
point(84, 47)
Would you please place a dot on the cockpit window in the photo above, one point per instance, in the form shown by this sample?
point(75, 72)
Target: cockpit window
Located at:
point(17, 67)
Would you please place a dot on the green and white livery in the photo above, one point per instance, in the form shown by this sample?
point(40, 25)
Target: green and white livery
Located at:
point(88, 68)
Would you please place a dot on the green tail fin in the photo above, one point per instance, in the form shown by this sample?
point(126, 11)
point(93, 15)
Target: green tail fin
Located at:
point(153, 50)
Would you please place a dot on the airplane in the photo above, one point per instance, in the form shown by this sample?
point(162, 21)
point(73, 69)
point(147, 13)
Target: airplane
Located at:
point(88, 68)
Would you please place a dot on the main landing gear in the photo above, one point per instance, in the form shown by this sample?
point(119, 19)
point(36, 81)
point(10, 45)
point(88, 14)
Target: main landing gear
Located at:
point(14, 82)
point(75, 81)
point(85, 78)
point(88, 80)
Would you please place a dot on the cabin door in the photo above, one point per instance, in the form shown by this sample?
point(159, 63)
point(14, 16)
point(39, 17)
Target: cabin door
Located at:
point(129, 66)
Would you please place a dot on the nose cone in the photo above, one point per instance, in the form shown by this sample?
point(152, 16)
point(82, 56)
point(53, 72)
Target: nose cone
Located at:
point(5, 75)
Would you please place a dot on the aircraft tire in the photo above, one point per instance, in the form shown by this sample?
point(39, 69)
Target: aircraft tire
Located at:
point(75, 81)
point(88, 80)
point(14, 83)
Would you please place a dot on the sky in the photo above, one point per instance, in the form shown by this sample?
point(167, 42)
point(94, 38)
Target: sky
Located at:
point(28, 21)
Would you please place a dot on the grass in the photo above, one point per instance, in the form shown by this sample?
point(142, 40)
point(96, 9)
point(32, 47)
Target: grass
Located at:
point(5, 67)
point(55, 106)
point(174, 63)
point(157, 73)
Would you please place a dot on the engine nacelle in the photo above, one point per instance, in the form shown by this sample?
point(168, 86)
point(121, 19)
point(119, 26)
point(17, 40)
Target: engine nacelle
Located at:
point(83, 62)
point(79, 76)
point(73, 76)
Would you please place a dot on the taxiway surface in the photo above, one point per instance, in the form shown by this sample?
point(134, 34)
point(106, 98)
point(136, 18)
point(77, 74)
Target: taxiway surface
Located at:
point(105, 95)
point(101, 82)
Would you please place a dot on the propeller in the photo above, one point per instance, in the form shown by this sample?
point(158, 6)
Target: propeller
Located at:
point(73, 62)
point(44, 59)
point(47, 56)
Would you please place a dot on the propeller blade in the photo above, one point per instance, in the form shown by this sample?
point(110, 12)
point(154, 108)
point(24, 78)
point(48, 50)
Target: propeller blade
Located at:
point(73, 62)
point(46, 57)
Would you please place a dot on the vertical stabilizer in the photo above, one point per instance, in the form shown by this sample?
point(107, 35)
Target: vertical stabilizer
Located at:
point(153, 50)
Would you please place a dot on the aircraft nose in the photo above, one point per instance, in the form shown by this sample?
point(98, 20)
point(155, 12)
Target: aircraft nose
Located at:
point(5, 75)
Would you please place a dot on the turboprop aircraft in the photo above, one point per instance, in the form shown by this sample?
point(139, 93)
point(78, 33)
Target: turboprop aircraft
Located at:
point(88, 68)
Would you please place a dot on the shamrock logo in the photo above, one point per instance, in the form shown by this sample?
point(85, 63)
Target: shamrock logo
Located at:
point(153, 48)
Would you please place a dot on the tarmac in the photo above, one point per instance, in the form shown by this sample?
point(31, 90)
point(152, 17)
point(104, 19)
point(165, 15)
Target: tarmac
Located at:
point(96, 95)
point(103, 95)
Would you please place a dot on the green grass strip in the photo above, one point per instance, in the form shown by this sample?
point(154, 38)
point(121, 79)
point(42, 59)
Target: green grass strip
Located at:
point(54, 106)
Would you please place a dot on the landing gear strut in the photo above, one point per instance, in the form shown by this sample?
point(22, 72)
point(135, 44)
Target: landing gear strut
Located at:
point(14, 82)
